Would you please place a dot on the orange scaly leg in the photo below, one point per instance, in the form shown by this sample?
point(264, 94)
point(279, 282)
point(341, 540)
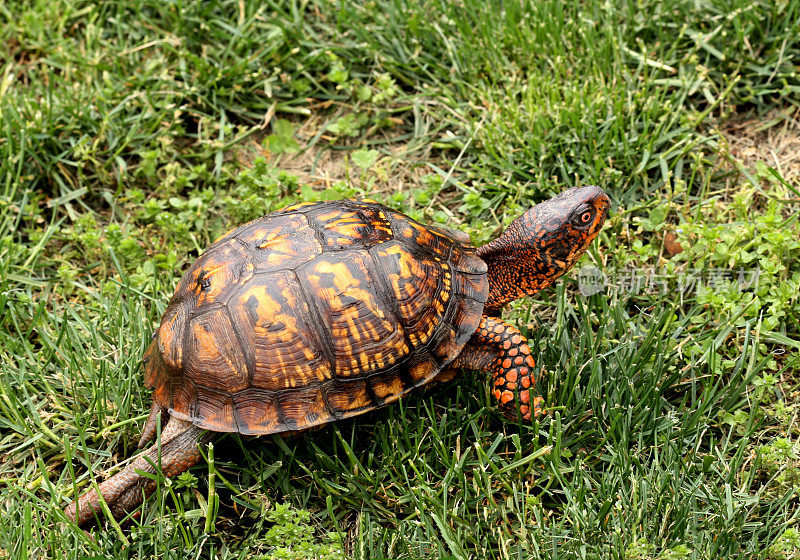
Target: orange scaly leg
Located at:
point(501, 349)
point(124, 491)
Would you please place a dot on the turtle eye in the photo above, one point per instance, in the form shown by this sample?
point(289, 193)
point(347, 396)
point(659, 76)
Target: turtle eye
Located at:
point(583, 217)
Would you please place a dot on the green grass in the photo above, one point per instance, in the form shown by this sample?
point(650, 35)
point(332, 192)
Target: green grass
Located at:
point(133, 133)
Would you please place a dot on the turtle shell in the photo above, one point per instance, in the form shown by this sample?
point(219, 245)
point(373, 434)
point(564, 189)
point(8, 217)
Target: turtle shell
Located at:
point(314, 313)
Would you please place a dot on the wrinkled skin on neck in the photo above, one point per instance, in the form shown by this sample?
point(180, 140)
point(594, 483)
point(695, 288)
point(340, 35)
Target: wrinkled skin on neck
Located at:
point(542, 244)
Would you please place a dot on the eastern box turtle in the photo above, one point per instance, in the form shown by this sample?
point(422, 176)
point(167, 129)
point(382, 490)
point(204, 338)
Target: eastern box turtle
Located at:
point(322, 311)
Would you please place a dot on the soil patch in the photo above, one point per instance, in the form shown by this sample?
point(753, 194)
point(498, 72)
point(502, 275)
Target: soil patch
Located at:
point(772, 138)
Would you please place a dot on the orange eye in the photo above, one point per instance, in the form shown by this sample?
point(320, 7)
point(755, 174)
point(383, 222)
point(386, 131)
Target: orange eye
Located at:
point(583, 219)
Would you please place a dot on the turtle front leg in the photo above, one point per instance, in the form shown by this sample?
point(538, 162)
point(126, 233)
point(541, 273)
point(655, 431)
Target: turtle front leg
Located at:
point(501, 349)
point(125, 490)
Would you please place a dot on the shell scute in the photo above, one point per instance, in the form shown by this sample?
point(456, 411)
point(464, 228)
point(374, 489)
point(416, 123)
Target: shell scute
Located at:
point(273, 316)
point(210, 278)
point(257, 412)
point(347, 398)
point(387, 385)
point(433, 241)
point(364, 334)
point(303, 408)
point(467, 261)
point(350, 225)
point(215, 411)
point(418, 287)
point(170, 337)
point(212, 346)
point(281, 242)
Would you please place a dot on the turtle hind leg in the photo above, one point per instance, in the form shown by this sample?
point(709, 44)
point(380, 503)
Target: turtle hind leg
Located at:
point(501, 349)
point(125, 490)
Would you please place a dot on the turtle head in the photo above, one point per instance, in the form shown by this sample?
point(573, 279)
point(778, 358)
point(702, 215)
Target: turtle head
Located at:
point(543, 243)
point(559, 230)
